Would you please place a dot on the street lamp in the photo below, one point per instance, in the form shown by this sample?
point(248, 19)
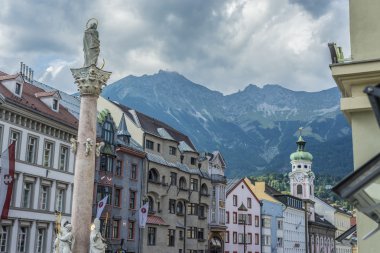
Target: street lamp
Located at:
point(243, 209)
point(362, 189)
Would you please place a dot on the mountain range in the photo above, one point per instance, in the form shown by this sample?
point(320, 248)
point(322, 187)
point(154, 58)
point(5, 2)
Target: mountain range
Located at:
point(256, 129)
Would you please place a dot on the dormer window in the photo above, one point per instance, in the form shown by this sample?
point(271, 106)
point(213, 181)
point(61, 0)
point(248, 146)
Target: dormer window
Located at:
point(18, 89)
point(55, 104)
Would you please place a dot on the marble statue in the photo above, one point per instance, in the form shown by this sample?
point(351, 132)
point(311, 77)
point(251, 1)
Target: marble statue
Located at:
point(63, 242)
point(91, 45)
point(97, 244)
point(99, 145)
point(88, 145)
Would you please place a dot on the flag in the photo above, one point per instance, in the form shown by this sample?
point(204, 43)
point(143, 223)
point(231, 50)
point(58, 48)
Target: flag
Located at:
point(143, 215)
point(7, 174)
point(101, 206)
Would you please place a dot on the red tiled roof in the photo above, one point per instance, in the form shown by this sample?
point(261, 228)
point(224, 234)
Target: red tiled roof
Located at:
point(31, 102)
point(152, 219)
point(45, 94)
point(8, 77)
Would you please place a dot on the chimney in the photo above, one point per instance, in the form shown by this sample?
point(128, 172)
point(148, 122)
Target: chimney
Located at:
point(21, 68)
point(30, 74)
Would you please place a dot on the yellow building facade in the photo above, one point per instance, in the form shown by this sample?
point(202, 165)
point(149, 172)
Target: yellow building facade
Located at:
point(352, 76)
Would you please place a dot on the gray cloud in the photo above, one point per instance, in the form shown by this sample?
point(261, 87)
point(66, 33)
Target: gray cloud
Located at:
point(224, 45)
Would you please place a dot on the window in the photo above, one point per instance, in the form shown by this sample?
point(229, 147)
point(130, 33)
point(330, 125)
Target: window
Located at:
point(131, 230)
point(234, 217)
point(22, 239)
point(134, 171)
point(63, 158)
point(227, 217)
point(234, 237)
point(18, 89)
point(193, 160)
point(59, 201)
point(256, 239)
point(44, 197)
point(15, 136)
point(107, 132)
point(171, 205)
point(299, 189)
point(249, 203)
point(240, 238)
point(132, 199)
point(106, 163)
point(153, 176)
point(192, 209)
point(171, 236)
point(158, 147)
point(204, 190)
point(266, 240)
point(48, 154)
point(201, 233)
point(257, 221)
point(202, 211)
point(234, 200)
point(192, 233)
point(149, 144)
point(279, 242)
point(102, 192)
point(105, 226)
point(227, 239)
point(4, 235)
point(180, 209)
point(40, 240)
point(280, 224)
point(242, 218)
point(117, 197)
point(55, 104)
point(249, 238)
point(182, 183)
point(193, 184)
point(151, 204)
point(115, 229)
point(266, 222)
point(249, 221)
point(27, 195)
point(173, 178)
point(151, 236)
point(172, 150)
point(119, 167)
point(31, 150)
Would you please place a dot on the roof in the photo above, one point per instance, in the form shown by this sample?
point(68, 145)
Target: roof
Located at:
point(151, 125)
point(183, 147)
point(348, 233)
point(46, 94)
point(334, 207)
point(156, 220)
point(260, 191)
point(122, 129)
point(8, 77)
point(320, 221)
point(29, 101)
point(232, 184)
point(215, 155)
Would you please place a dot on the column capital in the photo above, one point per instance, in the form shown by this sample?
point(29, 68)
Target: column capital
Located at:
point(90, 80)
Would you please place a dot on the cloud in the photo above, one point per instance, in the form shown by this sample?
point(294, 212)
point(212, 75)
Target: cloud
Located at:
point(223, 44)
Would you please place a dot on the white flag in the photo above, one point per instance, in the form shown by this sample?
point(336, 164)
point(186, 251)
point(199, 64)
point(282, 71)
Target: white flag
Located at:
point(101, 206)
point(143, 215)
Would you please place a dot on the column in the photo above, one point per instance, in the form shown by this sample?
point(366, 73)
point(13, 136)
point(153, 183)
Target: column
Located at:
point(68, 198)
point(14, 233)
point(32, 237)
point(20, 185)
point(37, 188)
point(52, 196)
point(90, 80)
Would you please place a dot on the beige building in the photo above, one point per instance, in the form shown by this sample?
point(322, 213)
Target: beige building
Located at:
point(177, 184)
point(352, 76)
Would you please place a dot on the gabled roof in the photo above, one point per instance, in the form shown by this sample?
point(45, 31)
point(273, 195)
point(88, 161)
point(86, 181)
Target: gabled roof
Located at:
point(122, 130)
point(151, 125)
point(320, 221)
point(232, 184)
point(216, 154)
point(29, 101)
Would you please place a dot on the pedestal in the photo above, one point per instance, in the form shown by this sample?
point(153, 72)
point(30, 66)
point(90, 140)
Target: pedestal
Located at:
point(90, 81)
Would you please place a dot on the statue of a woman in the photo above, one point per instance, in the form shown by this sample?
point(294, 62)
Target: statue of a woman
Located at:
point(97, 244)
point(91, 45)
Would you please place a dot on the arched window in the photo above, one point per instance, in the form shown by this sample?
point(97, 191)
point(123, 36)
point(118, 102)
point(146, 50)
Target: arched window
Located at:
point(153, 175)
point(151, 204)
point(180, 207)
point(107, 132)
point(182, 183)
point(299, 189)
point(204, 189)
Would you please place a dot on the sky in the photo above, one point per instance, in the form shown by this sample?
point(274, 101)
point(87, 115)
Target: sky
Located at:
point(221, 44)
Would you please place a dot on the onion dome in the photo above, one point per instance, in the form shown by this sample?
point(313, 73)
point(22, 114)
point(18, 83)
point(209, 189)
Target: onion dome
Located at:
point(301, 154)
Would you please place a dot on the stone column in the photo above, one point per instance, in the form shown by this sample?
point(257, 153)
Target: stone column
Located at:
point(90, 81)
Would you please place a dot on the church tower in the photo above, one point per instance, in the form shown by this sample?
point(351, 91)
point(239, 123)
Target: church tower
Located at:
point(301, 177)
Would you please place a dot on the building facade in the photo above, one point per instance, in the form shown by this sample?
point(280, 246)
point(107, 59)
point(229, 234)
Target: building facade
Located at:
point(217, 211)
point(43, 184)
point(243, 227)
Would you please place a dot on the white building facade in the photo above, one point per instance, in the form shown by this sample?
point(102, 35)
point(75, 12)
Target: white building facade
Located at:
point(238, 194)
point(41, 128)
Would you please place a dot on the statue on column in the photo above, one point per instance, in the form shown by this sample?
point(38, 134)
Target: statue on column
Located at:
point(91, 44)
point(97, 244)
point(63, 241)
